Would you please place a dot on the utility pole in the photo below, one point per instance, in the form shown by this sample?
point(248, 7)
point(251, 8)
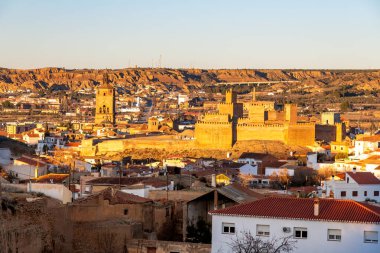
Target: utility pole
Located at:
point(1, 190)
point(119, 176)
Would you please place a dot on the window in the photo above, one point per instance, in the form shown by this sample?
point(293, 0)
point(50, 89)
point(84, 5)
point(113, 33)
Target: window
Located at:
point(376, 193)
point(365, 193)
point(262, 230)
point(300, 233)
point(343, 193)
point(348, 180)
point(334, 234)
point(228, 228)
point(354, 193)
point(126, 211)
point(371, 236)
point(341, 148)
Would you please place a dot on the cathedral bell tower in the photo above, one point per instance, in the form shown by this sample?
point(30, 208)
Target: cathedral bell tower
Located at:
point(105, 103)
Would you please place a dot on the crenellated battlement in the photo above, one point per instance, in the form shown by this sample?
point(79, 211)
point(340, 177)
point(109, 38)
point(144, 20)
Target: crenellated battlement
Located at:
point(199, 122)
point(216, 114)
point(260, 125)
point(305, 124)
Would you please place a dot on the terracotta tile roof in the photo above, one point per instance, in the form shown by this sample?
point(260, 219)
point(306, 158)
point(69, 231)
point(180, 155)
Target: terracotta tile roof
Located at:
point(73, 144)
point(373, 138)
point(364, 177)
point(273, 164)
point(303, 209)
point(15, 136)
point(31, 161)
point(306, 189)
point(51, 178)
point(32, 135)
point(119, 197)
point(375, 159)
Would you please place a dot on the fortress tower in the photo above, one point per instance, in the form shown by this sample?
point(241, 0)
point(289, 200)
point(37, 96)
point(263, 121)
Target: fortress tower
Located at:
point(105, 104)
point(231, 96)
point(231, 106)
point(291, 113)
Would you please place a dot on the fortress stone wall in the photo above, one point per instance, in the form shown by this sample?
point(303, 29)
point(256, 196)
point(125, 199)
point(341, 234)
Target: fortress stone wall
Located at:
point(251, 131)
point(214, 134)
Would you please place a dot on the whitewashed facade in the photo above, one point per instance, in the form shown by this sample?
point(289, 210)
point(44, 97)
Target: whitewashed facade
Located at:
point(317, 240)
point(350, 189)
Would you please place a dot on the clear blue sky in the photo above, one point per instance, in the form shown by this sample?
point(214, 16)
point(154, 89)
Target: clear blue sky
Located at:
point(196, 33)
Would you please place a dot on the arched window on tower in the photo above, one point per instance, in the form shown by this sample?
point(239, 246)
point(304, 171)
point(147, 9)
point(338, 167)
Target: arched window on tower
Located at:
point(104, 94)
point(108, 110)
point(100, 109)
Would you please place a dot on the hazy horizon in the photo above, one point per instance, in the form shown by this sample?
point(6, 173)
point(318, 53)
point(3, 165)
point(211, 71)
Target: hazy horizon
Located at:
point(208, 34)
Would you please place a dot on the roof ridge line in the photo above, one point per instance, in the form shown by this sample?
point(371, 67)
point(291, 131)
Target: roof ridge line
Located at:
point(366, 208)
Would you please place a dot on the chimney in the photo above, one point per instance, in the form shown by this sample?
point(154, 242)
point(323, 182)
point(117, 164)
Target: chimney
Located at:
point(316, 206)
point(354, 170)
point(215, 199)
point(213, 180)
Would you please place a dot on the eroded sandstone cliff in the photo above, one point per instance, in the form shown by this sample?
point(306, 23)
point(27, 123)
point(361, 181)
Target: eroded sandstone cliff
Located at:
point(181, 79)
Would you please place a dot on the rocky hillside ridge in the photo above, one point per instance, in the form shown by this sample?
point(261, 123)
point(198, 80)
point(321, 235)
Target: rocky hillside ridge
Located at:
point(183, 80)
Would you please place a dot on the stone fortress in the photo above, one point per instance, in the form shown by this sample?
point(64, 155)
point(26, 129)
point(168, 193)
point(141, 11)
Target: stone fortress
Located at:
point(234, 122)
point(263, 122)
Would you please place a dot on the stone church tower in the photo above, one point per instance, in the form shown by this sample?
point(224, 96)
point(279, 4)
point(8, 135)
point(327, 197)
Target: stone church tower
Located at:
point(105, 104)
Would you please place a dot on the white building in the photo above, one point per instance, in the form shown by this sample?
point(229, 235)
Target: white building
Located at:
point(274, 170)
point(255, 158)
point(248, 170)
point(365, 144)
point(27, 167)
point(50, 142)
point(182, 98)
point(31, 138)
point(317, 225)
point(357, 186)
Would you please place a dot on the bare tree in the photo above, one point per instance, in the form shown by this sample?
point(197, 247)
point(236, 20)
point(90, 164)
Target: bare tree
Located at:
point(245, 242)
